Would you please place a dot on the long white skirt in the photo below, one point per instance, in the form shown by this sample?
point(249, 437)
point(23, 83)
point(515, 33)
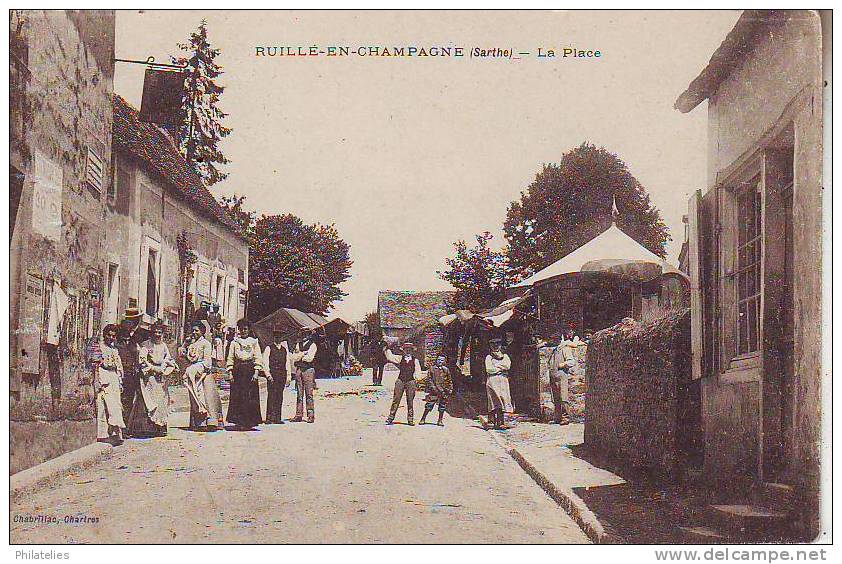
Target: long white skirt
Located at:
point(205, 406)
point(499, 395)
point(109, 407)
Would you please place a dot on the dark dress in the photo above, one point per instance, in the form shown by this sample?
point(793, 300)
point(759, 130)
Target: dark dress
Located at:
point(244, 401)
point(275, 389)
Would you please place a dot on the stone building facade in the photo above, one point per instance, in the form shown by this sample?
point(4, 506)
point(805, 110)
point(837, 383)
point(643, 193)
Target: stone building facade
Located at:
point(61, 81)
point(755, 255)
point(157, 199)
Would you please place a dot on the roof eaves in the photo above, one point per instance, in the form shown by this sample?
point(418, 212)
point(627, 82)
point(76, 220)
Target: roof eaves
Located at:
point(728, 56)
point(126, 118)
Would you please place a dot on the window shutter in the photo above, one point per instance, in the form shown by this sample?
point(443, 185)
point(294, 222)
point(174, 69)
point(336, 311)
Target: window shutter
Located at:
point(94, 171)
point(694, 261)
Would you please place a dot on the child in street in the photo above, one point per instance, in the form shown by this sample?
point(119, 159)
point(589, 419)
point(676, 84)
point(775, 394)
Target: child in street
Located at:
point(439, 387)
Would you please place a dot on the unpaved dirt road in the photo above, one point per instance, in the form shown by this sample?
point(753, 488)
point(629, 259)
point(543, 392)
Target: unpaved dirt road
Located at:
point(348, 478)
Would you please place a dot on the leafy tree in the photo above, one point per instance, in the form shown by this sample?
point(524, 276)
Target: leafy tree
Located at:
point(200, 133)
point(570, 203)
point(243, 217)
point(293, 264)
point(479, 274)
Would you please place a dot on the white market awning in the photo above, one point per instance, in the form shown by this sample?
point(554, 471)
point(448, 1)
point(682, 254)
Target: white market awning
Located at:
point(610, 251)
point(497, 316)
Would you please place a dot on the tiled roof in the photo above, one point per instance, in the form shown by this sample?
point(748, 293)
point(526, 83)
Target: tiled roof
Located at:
point(158, 152)
point(405, 310)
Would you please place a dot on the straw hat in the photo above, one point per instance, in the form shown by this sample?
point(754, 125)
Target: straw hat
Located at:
point(132, 313)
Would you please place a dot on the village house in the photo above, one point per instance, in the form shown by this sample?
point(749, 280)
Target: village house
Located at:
point(157, 199)
point(754, 255)
point(407, 315)
point(61, 80)
point(61, 70)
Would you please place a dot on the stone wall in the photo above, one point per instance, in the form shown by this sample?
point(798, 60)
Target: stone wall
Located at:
point(58, 231)
point(636, 378)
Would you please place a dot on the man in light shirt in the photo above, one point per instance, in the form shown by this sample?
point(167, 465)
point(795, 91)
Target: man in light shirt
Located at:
point(305, 376)
point(561, 361)
point(409, 367)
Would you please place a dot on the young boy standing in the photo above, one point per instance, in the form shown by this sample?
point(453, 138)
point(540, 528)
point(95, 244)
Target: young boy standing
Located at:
point(439, 386)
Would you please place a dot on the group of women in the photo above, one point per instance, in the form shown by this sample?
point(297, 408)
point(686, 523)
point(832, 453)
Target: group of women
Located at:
point(132, 368)
point(149, 363)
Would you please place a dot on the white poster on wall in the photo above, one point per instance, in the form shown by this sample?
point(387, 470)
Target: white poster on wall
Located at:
point(203, 281)
point(46, 197)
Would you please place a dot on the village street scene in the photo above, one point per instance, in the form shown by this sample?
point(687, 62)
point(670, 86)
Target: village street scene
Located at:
point(354, 284)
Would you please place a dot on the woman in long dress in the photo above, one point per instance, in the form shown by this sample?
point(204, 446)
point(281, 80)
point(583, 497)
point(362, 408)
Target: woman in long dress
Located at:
point(107, 383)
point(205, 405)
point(151, 406)
point(497, 366)
point(245, 362)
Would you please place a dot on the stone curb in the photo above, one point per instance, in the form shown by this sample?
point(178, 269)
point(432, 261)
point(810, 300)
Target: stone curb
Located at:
point(572, 504)
point(42, 475)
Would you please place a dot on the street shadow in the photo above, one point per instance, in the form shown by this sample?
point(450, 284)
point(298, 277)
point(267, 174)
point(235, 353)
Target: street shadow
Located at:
point(199, 430)
point(648, 508)
point(232, 428)
point(467, 404)
point(642, 513)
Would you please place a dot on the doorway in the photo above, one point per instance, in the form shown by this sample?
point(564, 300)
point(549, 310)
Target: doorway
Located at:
point(778, 306)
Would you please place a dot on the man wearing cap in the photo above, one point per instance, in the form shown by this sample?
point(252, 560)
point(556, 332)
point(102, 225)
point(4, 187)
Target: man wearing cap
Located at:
point(305, 375)
point(277, 360)
point(497, 366)
point(408, 368)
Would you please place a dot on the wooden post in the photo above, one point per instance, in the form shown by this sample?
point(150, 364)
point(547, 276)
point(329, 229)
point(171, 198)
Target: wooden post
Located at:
point(694, 260)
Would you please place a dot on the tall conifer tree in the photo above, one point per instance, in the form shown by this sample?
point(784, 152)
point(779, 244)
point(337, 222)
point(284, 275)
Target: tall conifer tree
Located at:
point(202, 129)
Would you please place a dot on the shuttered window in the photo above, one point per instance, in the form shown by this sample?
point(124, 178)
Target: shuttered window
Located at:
point(94, 171)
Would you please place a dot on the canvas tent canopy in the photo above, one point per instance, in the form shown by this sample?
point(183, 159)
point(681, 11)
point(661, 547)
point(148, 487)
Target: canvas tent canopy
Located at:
point(495, 316)
point(291, 321)
point(611, 251)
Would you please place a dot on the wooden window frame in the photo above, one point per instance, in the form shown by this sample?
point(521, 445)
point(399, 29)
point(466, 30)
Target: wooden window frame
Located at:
point(747, 344)
point(734, 367)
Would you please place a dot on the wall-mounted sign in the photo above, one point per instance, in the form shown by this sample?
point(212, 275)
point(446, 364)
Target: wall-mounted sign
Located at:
point(46, 197)
point(202, 281)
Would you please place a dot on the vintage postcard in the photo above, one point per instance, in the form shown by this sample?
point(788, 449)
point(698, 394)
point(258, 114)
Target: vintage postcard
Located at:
point(420, 277)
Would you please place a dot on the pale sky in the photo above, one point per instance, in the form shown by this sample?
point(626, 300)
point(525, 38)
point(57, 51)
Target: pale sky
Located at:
point(406, 156)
